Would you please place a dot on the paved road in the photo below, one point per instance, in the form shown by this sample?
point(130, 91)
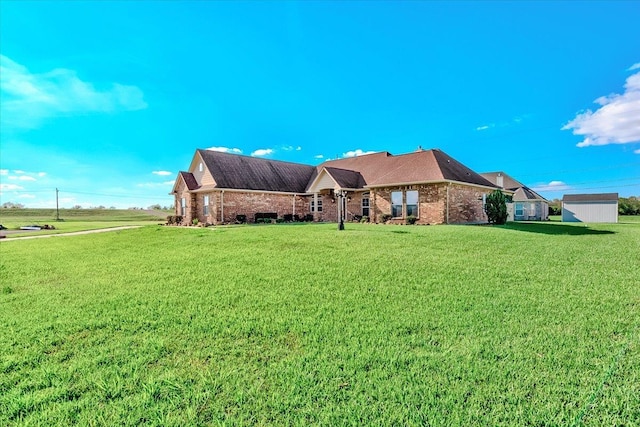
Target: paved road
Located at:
point(74, 233)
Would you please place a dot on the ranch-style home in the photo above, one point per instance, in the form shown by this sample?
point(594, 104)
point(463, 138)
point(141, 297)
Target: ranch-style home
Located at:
point(525, 204)
point(427, 185)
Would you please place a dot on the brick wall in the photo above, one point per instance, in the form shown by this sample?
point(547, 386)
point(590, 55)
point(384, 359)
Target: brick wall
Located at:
point(465, 203)
point(431, 203)
point(248, 204)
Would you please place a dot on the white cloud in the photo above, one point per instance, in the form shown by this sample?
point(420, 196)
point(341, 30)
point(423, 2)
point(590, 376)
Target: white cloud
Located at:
point(161, 173)
point(26, 196)
point(552, 186)
point(22, 178)
point(19, 171)
point(10, 187)
point(4, 172)
point(291, 148)
point(30, 98)
point(634, 67)
point(226, 150)
point(636, 151)
point(617, 121)
point(41, 174)
point(356, 153)
point(262, 152)
point(484, 127)
point(319, 156)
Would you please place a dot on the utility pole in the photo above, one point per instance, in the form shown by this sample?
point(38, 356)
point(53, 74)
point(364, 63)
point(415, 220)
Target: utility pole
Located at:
point(57, 208)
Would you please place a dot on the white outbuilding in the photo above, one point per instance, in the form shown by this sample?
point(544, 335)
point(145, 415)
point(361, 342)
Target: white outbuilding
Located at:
point(601, 207)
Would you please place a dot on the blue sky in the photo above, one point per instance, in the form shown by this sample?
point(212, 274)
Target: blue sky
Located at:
point(107, 101)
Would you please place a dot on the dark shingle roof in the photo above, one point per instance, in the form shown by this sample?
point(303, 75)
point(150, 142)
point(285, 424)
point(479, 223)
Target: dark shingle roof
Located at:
point(189, 180)
point(599, 197)
point(346, 178)
point(252, 173)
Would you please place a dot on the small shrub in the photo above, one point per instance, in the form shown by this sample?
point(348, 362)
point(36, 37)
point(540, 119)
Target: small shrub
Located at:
point(386, 217)
point(364, 219)
point(411, 219)
point(279, 220)
point(194, 221)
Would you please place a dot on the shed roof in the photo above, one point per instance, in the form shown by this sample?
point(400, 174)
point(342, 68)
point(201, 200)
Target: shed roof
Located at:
point(595, 197)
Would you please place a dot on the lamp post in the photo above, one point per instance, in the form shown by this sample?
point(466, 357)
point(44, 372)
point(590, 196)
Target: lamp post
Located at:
point(341, 195)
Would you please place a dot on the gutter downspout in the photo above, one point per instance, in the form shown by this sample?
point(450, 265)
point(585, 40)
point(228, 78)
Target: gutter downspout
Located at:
point(294, 204)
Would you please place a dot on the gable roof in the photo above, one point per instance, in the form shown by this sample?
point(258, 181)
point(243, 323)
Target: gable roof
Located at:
point(596, 197)
point(522, 193)
point(189, 180)
point(508, 182)
point(346, 178)
point(382, 169)
point(252, 173)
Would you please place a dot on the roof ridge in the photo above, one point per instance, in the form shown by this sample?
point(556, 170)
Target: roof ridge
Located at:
point(253, 157)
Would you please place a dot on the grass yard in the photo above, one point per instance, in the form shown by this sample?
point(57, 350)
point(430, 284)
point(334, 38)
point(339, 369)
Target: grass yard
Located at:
point(76, 219)
point(526, 324)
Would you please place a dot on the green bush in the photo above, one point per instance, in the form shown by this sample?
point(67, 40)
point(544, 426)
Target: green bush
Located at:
point(496, 207)
point(386, 217)
point(411, 219)
point(364, 219)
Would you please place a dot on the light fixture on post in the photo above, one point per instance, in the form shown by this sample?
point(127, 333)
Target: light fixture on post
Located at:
point(341, 194)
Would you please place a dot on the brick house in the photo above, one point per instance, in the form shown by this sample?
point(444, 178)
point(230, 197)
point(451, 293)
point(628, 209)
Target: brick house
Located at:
point(525, 204)
point(427, 184)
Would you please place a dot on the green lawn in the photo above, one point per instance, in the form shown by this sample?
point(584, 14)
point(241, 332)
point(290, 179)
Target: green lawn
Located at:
point(76, 219)
point(526, 324)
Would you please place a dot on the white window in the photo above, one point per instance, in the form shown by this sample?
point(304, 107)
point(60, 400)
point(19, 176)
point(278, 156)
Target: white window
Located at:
point(412, 203)
point(200, 167)
point(396, 204)
point(183, 206)
point(319, 206)
point(205, 205)
point(519, 209)
point(365, 205)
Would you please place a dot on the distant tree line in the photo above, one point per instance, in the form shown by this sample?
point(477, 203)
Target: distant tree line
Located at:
point(157, 206)
point(629, 205)
point(626, 206)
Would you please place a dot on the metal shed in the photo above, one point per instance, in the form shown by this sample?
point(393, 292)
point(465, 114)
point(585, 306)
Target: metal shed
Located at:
point(601, 207)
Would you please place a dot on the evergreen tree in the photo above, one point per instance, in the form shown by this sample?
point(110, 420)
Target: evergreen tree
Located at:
point(496, 207)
